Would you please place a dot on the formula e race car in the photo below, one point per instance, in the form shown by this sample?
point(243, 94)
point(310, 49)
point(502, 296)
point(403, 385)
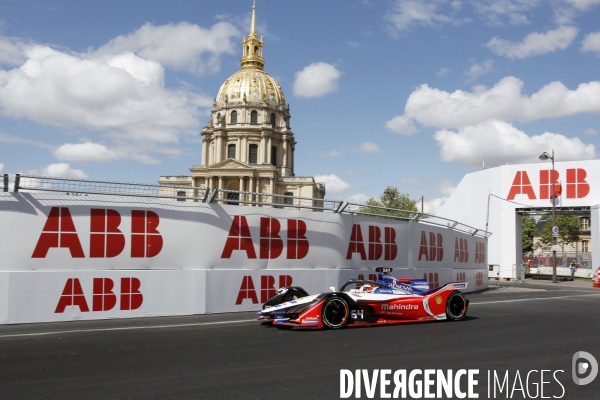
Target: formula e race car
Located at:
point(366, 303)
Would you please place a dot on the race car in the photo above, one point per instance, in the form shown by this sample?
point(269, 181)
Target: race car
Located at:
point(366, 303)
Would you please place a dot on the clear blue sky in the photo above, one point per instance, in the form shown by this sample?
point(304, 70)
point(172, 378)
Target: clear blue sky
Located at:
point(406, 93)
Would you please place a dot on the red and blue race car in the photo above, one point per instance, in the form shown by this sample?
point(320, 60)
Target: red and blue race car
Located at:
point(367, 303)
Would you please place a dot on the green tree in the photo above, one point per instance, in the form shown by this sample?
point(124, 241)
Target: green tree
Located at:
point(528, 231)
point(569, 229)
point(390, 201)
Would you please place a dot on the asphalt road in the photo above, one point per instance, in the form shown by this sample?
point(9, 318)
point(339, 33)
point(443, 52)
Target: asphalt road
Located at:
point(234, 357)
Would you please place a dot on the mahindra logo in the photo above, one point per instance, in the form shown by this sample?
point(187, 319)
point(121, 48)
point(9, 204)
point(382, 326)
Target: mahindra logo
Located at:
point(389, 248)
point(271, 243)
point(432, 250)
point(577, 187)
point(106, 239)
point(392, 307)
point(267, 288)
point(103, 296)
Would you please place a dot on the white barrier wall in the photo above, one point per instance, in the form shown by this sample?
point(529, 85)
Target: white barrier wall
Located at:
point(94, 257)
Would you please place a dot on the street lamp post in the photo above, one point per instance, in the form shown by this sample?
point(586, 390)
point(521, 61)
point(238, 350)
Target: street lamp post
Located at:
point(545, 157)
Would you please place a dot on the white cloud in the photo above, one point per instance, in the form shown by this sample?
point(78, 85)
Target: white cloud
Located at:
point(497, 143)
point(1, 167)
point(357, 198)
point(85, 152)
point(316, 80)
point(476, 70)
point(495, 11)
point(591, 132)
point(591, 43)
point(60, 170)
point(6, 138)
point(504, 101)
point(583, 4)
point(535, 43)
point(12, 51)
point(181, 46)
point(407, 13)
point(368, 147)
point(409, 181)
point(333, 183)
point(332, 153)
point(442, 72)
point(401, 124)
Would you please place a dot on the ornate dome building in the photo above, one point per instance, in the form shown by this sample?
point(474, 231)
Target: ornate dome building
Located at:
point(248, 144)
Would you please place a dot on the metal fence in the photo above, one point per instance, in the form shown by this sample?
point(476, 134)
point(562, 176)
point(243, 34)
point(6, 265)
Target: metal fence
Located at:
point(563, 259)
point(82, 186)
point(231, 197)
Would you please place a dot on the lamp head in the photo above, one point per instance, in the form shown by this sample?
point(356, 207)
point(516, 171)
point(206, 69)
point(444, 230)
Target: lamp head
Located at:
point(545, 156)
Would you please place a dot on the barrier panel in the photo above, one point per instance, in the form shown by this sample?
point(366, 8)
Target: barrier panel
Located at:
point(193, 258)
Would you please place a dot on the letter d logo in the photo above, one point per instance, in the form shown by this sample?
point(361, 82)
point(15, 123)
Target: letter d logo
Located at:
point(580, 368)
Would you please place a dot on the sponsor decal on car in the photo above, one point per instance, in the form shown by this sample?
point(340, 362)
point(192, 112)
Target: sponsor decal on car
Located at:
point(399, 307)
point(310, 321)
point(438, 300)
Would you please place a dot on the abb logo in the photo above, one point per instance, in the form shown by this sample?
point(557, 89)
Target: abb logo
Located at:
point(461, 277)
point(479, 279)
point(576, 185)
point(271, 243)
point(267, 288)
point(389, 248)
point(372, 277)
point(433, 279)
point(106, 239)
point(103, 296)
point(432, 250)
point(461, 250)
point(479, 253)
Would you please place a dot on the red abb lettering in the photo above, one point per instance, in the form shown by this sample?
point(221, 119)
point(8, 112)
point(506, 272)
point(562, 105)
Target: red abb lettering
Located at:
point(461, 250)
point(433, 279)
point(577, 187)
point(72, 295)
point(146, 240)
point(271, 244)
point(479, 253)
point(521, 185)
point(434, 250)
point(239, 238)
point(297, 243)
point(356, 244)
point(131, 297)
point(267, 288)
point(375, 246)
point(103, 298)
point(389, 248)
point(59, 231)
point(549, 178)
point(479, 279)
point(372, 277)
point(106, 239)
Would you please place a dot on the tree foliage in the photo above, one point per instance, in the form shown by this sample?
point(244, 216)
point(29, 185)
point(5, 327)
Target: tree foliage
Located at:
point(529, 229)
point(390, 201)
point(569, 229)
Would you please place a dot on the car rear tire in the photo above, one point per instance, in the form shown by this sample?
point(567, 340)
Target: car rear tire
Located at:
point(456, 306)
point(335, 312)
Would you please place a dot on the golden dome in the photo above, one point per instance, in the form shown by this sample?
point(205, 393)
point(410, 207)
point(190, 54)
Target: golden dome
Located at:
point(251, 83)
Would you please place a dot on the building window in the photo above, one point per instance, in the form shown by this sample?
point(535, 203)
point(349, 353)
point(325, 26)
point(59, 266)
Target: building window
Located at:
point(272, 120)
point(231, 151)
point(273, 155)
point(234, 117)
point(218, 118)
point(288, 199)
point(585, 246)
point(181, 196)
point(233, 198)
point(253, 156)
point(585, 224)
point(254, 117)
